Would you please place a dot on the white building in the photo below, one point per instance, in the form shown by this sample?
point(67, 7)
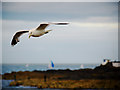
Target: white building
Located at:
point(116, 64)
point(105, 61)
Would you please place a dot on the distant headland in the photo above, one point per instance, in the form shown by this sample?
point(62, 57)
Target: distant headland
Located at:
point(103, 76)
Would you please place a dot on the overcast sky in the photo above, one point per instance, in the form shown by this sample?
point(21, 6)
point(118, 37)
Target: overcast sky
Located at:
point(91, 36)
point(0, 32)
point(60, 0)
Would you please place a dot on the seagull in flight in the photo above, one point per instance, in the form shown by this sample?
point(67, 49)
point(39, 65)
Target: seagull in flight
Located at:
point(39, 31)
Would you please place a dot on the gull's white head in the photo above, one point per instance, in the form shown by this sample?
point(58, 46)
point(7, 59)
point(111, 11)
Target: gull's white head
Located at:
point(30, 33)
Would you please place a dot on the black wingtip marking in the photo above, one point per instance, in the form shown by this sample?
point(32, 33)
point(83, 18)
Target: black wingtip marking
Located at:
point(14, 42)
point(15, 39)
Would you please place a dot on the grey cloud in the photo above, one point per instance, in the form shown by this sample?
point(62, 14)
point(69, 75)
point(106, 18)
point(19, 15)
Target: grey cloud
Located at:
point(60, 1)
point(62, 10)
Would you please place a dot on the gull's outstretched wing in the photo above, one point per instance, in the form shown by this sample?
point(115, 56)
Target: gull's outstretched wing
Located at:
point(16, 36)
point(42, 26)
point(60, 23)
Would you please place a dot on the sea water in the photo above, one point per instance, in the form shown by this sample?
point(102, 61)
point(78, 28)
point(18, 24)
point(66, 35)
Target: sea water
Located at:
point(8, 68)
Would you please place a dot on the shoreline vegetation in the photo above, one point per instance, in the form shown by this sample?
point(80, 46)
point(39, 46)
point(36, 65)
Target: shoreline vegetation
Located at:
point(101, 76)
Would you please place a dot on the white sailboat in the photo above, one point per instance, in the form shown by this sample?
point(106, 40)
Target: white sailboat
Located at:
point(27, 65)
point(81, 66)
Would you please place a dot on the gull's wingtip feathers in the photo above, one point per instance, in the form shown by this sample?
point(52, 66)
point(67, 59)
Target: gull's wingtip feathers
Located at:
point(56, 23)
point(15, 39)
point(59, 23)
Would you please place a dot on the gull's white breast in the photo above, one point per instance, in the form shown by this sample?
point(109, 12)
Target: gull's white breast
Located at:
point(37, 33)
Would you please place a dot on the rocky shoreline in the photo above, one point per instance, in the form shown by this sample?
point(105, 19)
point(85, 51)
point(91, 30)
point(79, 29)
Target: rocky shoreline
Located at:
point(100, 77)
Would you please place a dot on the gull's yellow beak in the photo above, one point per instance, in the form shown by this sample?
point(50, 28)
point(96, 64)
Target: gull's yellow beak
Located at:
point(29, 36)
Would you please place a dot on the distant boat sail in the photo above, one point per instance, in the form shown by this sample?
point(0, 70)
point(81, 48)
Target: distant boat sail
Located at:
point(82, 66)
point(51, 65)
point(27, 65)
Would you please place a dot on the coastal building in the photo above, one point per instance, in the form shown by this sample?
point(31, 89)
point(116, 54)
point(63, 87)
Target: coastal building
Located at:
point(105, 61)
point(114, 63)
